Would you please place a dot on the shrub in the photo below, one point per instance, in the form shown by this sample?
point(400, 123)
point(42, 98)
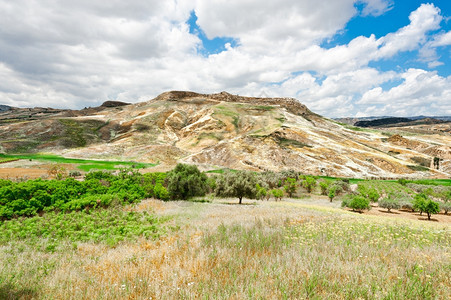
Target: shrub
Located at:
point(309, 183)
point(160, 192)
point(261, 192)
point(186, 181)
point(402, 181)
point(357, 203)
point(331, 193)
point(211, 183)
point(277, 194)
point(290, 186)
point(373, 195)
point(74, 173)
point(340, 186)
point(323, 185)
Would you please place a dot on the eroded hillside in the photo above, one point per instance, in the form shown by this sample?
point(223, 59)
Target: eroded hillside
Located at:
point(228, 131)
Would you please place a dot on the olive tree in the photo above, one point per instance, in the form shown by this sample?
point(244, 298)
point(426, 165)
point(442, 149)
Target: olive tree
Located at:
point(389, 203)
point(431, 207)
point(237, 184)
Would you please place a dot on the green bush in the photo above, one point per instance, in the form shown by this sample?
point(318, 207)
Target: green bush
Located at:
point(356, 203)
point(261, 192)
point(99, 189)
point(373, 195)
point(160, 192)
point(309, 183)
point(290, 186)
point(186, 181)
point(331, 193)
point(277, 194)
point(402, 181)
point(323, 185)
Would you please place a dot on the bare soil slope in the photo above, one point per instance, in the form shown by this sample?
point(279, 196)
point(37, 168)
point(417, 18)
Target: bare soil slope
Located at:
point(226, 131)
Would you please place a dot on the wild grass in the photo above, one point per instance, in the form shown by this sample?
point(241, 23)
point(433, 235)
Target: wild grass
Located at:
point(263, 251)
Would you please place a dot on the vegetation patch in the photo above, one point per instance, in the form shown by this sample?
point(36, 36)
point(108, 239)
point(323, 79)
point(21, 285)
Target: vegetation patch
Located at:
point(109, 226)
point(264, 107)
point(418, 168)
point(284, 142)
point(98, 190)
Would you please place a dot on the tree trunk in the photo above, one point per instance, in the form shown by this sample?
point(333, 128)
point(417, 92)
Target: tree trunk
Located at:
point(241, 198)
point(429, 216)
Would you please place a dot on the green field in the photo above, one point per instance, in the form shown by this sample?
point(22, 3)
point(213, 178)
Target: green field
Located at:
point(82, 164)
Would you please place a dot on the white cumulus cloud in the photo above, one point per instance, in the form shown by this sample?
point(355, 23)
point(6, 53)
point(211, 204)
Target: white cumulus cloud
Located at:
point(80, 53)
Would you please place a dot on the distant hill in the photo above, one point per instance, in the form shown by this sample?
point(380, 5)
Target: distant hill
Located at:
point(381, 122)
point(354, 120)
point(216, 131)
point(4, 107)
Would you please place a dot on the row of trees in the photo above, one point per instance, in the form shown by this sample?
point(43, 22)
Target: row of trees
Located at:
point(102, 189)
point(420, 201)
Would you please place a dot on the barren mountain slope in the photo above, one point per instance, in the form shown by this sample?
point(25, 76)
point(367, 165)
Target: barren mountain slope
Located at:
point(224, 130)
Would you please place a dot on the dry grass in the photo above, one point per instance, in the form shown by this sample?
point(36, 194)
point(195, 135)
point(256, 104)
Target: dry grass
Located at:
point(296, 250)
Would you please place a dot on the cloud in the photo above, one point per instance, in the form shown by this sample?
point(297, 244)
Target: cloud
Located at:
point(421, 92)
point(428, 53)
point(273, 26)
point(424, 19)
point(80, 53)
point(376, 7)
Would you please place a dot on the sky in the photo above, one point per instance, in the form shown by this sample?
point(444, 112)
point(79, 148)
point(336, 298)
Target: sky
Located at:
point(341, 58)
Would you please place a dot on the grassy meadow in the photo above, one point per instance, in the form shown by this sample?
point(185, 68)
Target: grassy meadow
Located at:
point(217, 249)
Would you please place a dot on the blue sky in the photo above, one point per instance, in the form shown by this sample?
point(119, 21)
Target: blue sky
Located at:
point(340, 58)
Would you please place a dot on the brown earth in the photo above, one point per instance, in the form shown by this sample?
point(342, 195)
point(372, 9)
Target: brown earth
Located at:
point(22, 173)
point(377, 211)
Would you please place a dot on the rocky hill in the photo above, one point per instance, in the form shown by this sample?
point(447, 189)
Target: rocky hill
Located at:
point(224, 131)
